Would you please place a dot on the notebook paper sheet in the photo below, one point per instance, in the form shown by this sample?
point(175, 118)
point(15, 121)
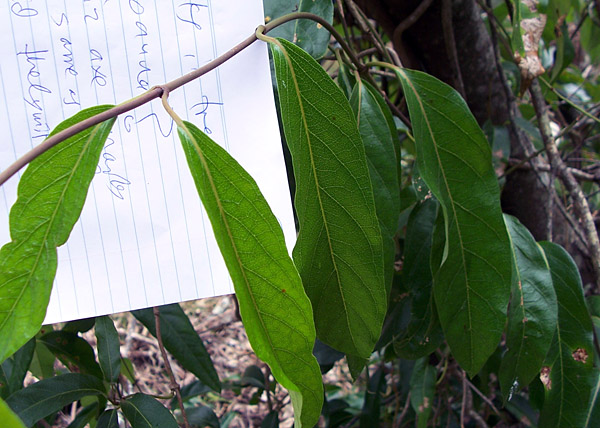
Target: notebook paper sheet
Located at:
point(143, 238)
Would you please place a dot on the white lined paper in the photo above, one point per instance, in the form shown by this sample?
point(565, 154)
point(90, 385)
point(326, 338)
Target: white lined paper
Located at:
point(143, 239)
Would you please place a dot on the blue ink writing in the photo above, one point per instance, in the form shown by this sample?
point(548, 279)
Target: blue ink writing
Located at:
point(189, 13)
point(203, 106)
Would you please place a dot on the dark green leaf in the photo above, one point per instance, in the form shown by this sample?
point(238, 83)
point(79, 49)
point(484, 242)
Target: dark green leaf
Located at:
point(50, 395)
point(339, 251)
point(73, 350)
point(8, 418)
point(592, 414)
point(80, 326)
point(84, 416)
point(143, 411)
point(42, 365)
point(568, 374)
point(202, 416)
point(306, 33)
point(108, 419)
point(472, 285)
point(273, 305)
point(532, 314)
point(253, 376)
point(356, 365)
point(371, 410)
point(50, 198)
point(109, 353)
point(422, 388)
point(422, 334)
point(182, 341)
point(383, 168)
point(271, 420)
point(13, 370)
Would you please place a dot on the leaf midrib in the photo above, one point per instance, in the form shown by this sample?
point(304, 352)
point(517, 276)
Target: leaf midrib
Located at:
point(317, 186)
point(51, 222)
point(441, 166)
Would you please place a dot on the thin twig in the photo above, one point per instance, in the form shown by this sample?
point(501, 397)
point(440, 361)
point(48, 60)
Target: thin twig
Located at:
point(174, 385)
point(483, 397)
point(463, 405)
point(409, 21)
point(157, 91)
point(450, 43)
point(404, 412)
point(577, 173)
point(580, 203)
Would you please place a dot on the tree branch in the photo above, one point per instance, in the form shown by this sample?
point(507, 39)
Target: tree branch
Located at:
point(580, 203)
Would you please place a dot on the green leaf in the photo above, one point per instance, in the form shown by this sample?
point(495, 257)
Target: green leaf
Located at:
point(143, 411)
point(592, 413)
point(8, 418)
point(422, 388)
point(73, 350)
point(182, 341)
point(383, 168)
point(50, 198)
point(307, 34)
point(532, 314)
point(202, 416)
point(339, 251)
point(371, 410)
point(50, 395)
point(13, 370)
point(569, 371)
point(273, 305)
point(84, 416)
point(472, 284)
point(42, 364)
point(422, 333)
point(108, 419)
point(109, 352)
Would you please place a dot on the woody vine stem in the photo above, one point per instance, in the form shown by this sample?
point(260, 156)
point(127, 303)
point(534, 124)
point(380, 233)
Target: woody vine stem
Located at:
point(157, 91)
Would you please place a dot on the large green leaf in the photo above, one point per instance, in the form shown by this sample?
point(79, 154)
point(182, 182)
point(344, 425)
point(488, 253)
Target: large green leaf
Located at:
point(532, 314)
point(306, 33)
point(108, 419)
point(143, 411)
point(422, 389)
point(109, 352)
point(8, 418)
point(339, 252)
point(472, 284)
point(51, 194)
point(592, 413)
point(568, 371)
point(383, 167)
point(274, 307)
point(182, 341)
point(422, 333)
point(50, 395)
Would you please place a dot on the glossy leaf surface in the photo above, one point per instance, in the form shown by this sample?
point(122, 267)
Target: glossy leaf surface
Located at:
point(571, 376)
point(143, 411)
point(532, 314)
point(273, 305)
point(50, 198)
point(421, 334)
point(307, 34)
point(109, 352)
point(182, 341)
point(339, 251)
point(383, 167)
point(50, 395)
point(472, 284)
